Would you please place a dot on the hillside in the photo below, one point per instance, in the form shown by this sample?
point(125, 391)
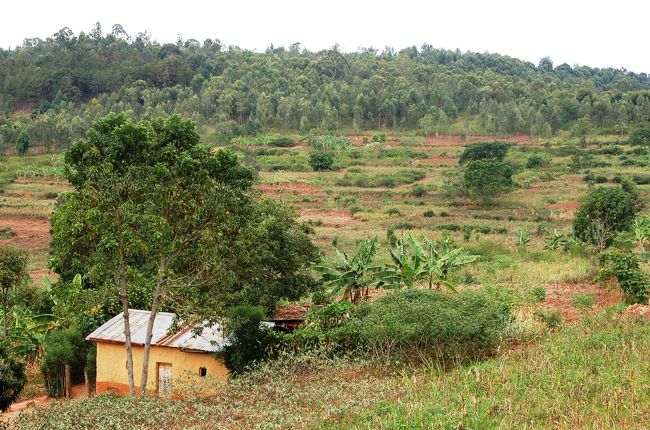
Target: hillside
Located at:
point(55, 88)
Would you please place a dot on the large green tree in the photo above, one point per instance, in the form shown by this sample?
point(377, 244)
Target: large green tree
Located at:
point(485, 179)
point(605, 211)
point(157, 215)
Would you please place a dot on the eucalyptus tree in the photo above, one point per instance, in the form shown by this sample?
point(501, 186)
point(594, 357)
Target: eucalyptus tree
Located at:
point(154, 214)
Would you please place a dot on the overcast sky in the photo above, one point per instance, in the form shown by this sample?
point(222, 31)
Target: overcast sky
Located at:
point(596, 33)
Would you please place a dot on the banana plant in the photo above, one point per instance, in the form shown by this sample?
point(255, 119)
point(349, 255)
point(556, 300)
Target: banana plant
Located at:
point(441, 261)
point(406, 264)
point(28, 330)
point(641, 232)
point(351, 275)
point(559, 240)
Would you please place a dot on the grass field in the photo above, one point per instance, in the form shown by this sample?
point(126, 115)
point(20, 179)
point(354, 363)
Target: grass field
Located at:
point(588, 374)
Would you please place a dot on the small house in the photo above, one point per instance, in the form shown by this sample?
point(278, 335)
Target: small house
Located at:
point(175, 355)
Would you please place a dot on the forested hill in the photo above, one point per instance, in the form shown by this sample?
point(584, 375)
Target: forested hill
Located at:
point(66, 81)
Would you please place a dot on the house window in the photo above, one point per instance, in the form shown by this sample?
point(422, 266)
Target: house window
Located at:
point(203, 371)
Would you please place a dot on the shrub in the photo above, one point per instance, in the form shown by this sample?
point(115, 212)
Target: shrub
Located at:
point(402, 225)
point(551, 318)
point(583, 301)
point(624, 266)
point(380, 137)
point(393, 211)
point(428, 214)
point(63, 347)
point(440, 325)
point(12, 377)
point(319, 160)
point(487, 178)
point(249, 342)
point(535, 161)
point(281, 142)
point(418, 190)
point(537, 294)
point(640, 136)
point(444, 214)
point(606, 211)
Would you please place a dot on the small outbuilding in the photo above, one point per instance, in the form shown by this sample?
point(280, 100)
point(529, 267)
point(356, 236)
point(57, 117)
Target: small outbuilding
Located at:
point(181, 355)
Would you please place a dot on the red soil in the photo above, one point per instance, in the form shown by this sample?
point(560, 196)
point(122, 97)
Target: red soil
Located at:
point(559, 297)
point(327, 218)
point(29, 233)
point(565, 205)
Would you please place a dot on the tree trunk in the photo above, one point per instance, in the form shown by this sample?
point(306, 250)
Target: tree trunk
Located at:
point(4, 315)
point(152, 318)
point(67, 381)
point(127, 340)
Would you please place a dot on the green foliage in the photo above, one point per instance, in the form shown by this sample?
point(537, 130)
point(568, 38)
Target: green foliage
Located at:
point(23, 142)
point(418, 190)
point(558, 240)
point(436, 325)
point(12, 376)
point(63, 347)
point(351, 275)
point(536, 161)
point(328, 142)
point(640, 136)
point(487, 178)
point(250, 342)
point(428, 214)
point(583, 301)
point(604, 212)
point(484, 151)
point(320, 160)
point(13, 273)
point(366, 179)
point(624, 267)
point(522, 239)
point(537, 294)
point(551, 318)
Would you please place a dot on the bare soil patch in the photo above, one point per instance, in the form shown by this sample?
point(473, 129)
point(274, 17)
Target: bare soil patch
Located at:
point(454, 140)
point(559, 297)
point(29, 233)
point(565, 205)
point(328, 218)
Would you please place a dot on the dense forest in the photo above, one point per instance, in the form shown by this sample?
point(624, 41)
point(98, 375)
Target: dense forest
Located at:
point(52, 90)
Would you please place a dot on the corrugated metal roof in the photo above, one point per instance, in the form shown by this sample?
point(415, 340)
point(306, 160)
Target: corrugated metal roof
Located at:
point(209, 340)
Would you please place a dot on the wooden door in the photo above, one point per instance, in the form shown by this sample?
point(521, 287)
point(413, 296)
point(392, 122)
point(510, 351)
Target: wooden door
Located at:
point(164, 378)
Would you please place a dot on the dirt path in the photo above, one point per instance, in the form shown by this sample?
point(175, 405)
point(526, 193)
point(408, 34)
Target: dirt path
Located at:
point(78, 392)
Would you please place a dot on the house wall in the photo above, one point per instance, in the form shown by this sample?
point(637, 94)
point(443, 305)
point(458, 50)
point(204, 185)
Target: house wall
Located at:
point(112, 375)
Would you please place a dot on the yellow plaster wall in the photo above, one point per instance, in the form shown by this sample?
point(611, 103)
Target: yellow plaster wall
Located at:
point(111, 365)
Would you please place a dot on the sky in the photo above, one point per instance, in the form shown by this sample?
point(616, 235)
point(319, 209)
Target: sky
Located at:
point(596, 33)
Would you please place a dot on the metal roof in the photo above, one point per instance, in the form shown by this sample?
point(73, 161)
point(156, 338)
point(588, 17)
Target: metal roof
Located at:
point(209, 340)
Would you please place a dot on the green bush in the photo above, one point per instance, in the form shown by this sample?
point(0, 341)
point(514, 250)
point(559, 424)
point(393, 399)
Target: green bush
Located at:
point(418, 190)
point(625, 267)
point(63, 347)
point(536, 161)
point(320, 160)
point(537, 294)
point(605, 211)
point(249, 341)
point(551, 318)
point(428, 214)
point(12, 377)
point(437, 324)
point(583, 301)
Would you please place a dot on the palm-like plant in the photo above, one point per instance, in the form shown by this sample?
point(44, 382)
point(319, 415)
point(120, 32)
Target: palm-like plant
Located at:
point(641, 232)
point(406, 265)
point(352, 276)
point(440, 262)
point(523, 238)
point(559, 240)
